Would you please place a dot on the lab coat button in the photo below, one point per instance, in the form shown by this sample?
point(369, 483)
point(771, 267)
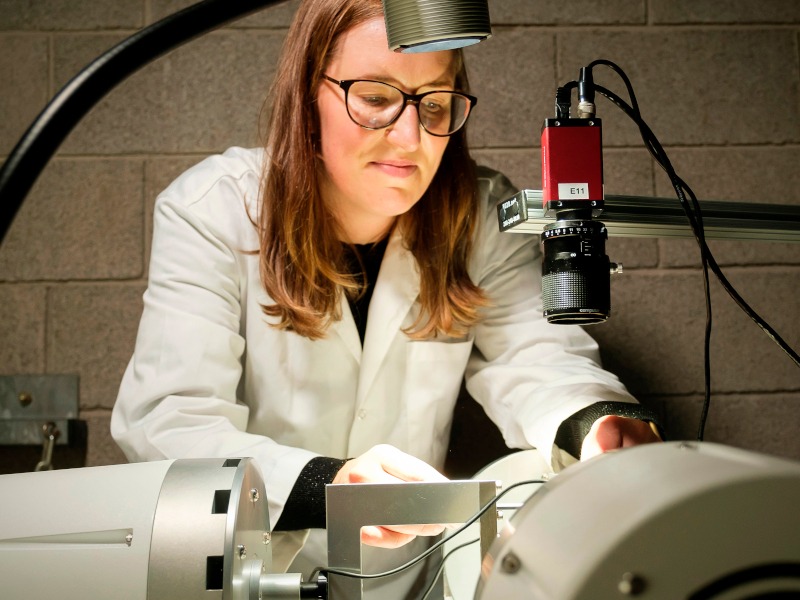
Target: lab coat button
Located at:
point(362, 414)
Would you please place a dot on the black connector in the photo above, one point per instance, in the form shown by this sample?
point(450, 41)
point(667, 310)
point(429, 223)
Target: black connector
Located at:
point(586, 91)
point(586, 86)
point(317, 590)
point(564, 100)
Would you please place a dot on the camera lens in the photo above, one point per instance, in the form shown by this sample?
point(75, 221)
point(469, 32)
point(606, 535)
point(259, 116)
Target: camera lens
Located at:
point(575, 272)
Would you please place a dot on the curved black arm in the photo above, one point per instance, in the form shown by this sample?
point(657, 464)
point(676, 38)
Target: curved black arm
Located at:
point(82, 92)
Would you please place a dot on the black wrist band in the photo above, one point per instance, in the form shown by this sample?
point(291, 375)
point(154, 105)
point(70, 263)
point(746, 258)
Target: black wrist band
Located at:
point(305, 506)
point(574, 429)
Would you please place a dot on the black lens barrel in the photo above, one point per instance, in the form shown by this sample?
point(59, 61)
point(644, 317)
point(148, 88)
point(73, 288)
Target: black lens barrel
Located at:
point(575, 272)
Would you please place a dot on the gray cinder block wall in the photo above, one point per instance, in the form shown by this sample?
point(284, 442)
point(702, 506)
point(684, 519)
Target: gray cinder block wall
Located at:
point(718, 81)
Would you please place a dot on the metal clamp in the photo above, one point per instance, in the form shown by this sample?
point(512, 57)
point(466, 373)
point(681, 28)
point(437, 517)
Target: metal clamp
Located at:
point(28, 401)
point(50, 433)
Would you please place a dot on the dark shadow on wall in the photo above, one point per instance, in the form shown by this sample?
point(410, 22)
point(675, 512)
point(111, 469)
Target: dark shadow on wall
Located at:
point(475, 441)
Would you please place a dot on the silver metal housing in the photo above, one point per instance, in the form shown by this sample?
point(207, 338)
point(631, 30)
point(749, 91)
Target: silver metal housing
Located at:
point(654, 522)
point(176, 530)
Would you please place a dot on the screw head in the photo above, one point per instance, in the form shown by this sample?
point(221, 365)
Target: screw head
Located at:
point(267, 537)
point(242, 551)
point(631, 584)
point(510, 563)
point(254, 495)
point(25, 398)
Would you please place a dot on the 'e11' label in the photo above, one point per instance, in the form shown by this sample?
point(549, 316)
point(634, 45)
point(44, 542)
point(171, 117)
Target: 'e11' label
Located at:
point(573, 191)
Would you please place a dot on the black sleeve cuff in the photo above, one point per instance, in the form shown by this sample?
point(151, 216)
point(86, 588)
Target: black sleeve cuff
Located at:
point(305, 506)
point(571, 432)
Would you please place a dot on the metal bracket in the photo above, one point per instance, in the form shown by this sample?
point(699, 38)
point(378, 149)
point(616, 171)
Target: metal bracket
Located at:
point(29, 402)
point(641, 216)
point(352, 506)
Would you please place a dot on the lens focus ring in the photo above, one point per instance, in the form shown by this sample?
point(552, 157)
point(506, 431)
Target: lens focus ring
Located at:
point(575, 273)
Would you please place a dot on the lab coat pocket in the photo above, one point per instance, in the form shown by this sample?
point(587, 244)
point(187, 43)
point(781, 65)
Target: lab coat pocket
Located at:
point(435, 372)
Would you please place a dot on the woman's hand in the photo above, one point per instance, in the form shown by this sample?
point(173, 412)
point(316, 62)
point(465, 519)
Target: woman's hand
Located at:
point(387, 464)
point(612, 432)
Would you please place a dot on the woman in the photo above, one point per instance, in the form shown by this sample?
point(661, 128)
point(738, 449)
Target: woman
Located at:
point(255, 339)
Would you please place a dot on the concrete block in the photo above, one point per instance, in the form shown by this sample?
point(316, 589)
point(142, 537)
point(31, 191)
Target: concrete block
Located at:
point(577, 12)
point(627, 172)
point(686, 253)
point(61, 15)
point(101, 448)
point(73, 52)
point(276, 16)
point(82, 220)
point(692, 85)
point(765, 423)
point(91, 330)
point(202, 97)
point(22, 328)
point(746, 359)
point(766, 175)
point(762, 422)
point(631, 253)
point(684, 12)
point(161, 171)
point(512, 75)
point(654, 338)
point(24, 73)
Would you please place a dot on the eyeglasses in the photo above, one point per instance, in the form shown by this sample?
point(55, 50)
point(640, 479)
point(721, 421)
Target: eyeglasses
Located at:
point(375, 105)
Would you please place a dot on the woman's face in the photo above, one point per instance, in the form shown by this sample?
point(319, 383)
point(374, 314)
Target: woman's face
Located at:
point(372, 176)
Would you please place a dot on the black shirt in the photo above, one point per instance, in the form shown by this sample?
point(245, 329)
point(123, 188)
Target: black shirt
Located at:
point(364, 260)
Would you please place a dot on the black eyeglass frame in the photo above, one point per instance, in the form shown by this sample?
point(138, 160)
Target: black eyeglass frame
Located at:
point(413, 99)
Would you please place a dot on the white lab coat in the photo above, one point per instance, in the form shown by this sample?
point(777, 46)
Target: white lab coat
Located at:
point(210, 377)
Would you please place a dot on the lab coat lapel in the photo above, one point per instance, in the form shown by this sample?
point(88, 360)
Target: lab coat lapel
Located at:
point(395, 291)
point(346, 329)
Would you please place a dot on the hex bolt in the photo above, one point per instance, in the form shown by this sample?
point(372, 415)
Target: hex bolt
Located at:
point(510, 563)
point(631, 584)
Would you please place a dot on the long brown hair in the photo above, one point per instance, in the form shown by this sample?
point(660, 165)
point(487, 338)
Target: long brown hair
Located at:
point(302, 263)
